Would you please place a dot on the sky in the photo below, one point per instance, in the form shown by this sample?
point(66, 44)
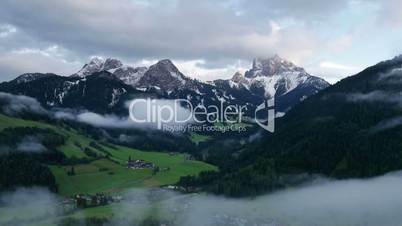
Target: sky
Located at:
point(206, 39)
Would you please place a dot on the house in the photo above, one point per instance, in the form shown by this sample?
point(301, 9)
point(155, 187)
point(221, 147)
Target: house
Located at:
point(139, 164)
point(188, 157)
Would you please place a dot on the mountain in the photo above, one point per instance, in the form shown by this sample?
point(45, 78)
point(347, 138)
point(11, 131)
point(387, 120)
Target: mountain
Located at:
point(100, 92)
point(28, 77)
point(276, 77)
point(163, 75)
point(129, 75)
point(103, 85)
point(352, 129)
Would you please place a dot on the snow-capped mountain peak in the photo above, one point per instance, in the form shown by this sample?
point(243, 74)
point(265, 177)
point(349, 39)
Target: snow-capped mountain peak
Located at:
point(94, 65)
point(275, 77)
point(165, 75)
point(128, 74)
point(239, 79)
point(111, 63)
point(97, 64)
point(271, 66)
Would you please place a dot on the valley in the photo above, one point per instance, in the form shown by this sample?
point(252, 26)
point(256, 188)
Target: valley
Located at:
point(200, 113)
point(105, 170)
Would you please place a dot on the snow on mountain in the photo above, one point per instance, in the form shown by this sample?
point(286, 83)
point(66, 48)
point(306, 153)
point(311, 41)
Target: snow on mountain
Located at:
point(239, 80)
point(129, 75)
point(165, 75)
point(95, 65)
point(271, 77)
point(276, 77)
point(272, 66)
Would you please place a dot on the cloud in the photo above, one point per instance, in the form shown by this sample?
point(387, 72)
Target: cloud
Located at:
point(387, 124)
point(30, 60)
point(108, 121)
point(137, 29)
point(204, 71)
point(158, 112)
point(370, 202)
point(140, 29)
point(29, 206)
point(332, 71)
point(333, 65)
point(17, 104)
point(389, 13)
point(181, 30)
point(393, 76)
point(6, 29)
point(217, 33)
point(128, 138)
point(374, 202)
point(376, 96)
point(30, 144)
point(94, 119)
point(255, 137)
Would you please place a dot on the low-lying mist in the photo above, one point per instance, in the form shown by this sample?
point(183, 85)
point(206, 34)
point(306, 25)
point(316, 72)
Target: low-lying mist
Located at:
point(148, 117)
point(376, 201)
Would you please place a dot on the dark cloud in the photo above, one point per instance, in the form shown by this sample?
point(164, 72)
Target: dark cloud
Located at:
point(175, 29)
point(217, 32)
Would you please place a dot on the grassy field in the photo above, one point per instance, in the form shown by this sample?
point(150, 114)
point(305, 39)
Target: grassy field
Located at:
point(110, 175)
point(105, 175)
point(6, 121)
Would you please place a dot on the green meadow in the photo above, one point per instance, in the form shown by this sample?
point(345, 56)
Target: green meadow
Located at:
point(109, 173)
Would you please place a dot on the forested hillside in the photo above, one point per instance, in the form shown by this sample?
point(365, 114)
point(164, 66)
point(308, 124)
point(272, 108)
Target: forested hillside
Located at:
point(350, 130)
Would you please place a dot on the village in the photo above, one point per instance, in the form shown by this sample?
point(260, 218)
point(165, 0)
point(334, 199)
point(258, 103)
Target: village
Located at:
point(101, 199)
point(139, 164)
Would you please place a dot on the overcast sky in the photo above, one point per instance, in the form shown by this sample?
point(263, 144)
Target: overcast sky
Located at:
point(206, 39)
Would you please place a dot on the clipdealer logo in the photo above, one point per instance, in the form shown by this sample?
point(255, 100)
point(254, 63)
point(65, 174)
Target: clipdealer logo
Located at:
point(267, 105)
point(169, 113)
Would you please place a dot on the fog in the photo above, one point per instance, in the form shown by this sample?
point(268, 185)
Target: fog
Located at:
point(30, 144)
point(375, 201)
point(27, 144)
point(94, 119)
point(158, 113)
point(376, 96)
point(27, 206)
point(15, 104)
point(393, 76)
point(388, 124)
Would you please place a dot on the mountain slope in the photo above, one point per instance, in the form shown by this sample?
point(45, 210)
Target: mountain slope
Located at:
point(352, 129)
point(344, 131)
point(100, 92)
point(103, 86)
point(98, 166)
